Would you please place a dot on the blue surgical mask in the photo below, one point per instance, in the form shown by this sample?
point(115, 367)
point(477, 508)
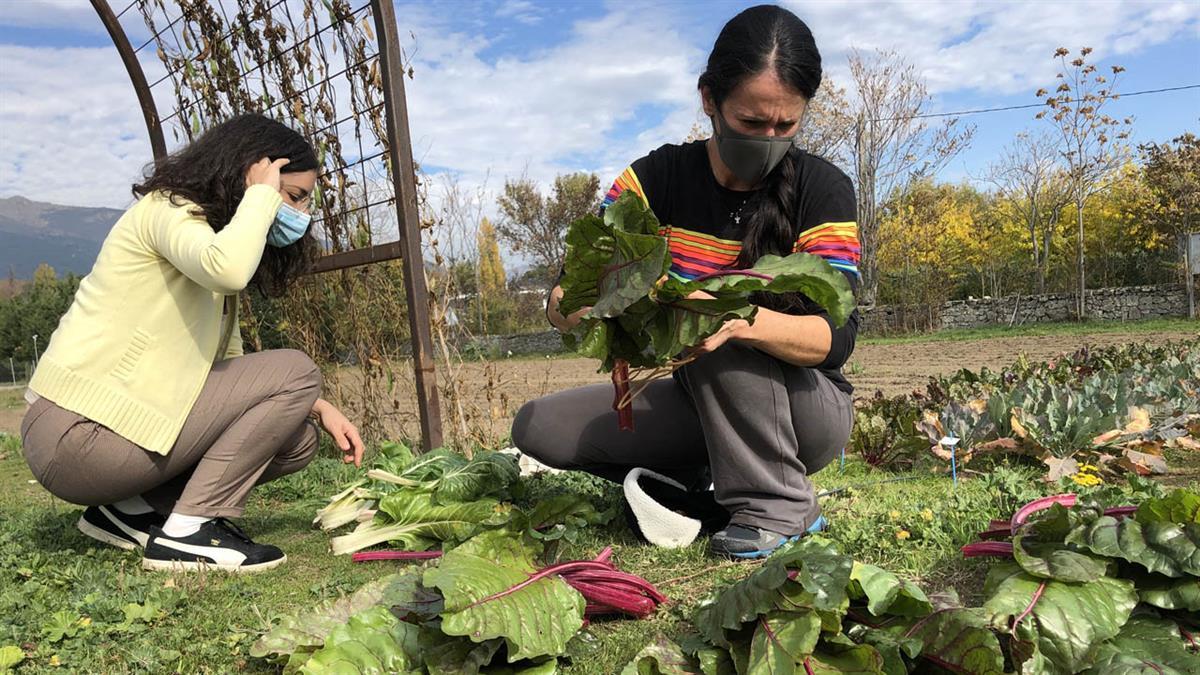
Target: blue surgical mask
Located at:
point(289, 226)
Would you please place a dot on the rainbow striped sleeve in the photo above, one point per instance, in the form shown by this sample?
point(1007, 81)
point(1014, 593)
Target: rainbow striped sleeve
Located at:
point(837, 243)
point(628, 180)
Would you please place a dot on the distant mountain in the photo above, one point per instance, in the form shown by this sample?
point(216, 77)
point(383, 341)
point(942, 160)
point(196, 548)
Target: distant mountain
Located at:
point(68, 238)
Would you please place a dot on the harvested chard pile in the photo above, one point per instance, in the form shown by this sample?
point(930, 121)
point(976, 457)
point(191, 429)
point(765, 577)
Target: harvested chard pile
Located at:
point(643, 318)
point(1086, 593)
point(483, 607)
point(440, 499)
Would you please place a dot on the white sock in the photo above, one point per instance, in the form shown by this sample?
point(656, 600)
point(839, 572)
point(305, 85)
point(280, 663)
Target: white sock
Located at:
point(134, 506)
point(179, 525)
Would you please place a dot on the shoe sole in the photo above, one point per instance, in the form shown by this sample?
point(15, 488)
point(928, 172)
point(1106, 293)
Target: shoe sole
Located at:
point(193, 566)
point(105, 536)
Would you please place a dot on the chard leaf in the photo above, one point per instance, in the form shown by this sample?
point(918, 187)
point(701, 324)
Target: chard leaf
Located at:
point(782, 640)
point(1161, 547)
point(413, 520)
point(487, 474)
point(1167, 593)
point(298, 636)
point(638, 261)
point(1039, 547)
point(887, 593)
point(564, 517)
point(373, 641)
point(661, 657)
point(1146, 646)
point(1065, 621)
point(481, 582)
point(446, 655)
point(959, 640)
point(799, 272)
point(821, 576)
point(1181, 506)
point(856, 660)
point(590, 246)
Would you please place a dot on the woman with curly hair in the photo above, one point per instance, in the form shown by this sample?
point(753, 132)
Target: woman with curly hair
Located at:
point(144, 407)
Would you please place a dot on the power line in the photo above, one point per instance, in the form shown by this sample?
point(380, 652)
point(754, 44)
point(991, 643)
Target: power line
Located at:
point(978, 111)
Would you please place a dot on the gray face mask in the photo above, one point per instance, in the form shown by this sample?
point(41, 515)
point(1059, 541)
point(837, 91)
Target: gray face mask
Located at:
point(750, 158)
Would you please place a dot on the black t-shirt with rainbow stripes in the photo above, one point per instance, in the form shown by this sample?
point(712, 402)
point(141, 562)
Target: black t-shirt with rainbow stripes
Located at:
point(704, 221)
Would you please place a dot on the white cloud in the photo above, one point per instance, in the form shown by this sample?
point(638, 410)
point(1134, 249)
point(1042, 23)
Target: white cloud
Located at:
point(71, 127)
point(562, 108)
point(991, 47)
point(521, 11)
point(73, 14)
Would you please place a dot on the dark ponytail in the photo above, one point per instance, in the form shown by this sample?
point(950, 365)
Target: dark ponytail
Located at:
point(759, 38)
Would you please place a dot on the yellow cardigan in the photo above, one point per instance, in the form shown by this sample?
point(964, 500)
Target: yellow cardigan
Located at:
point(156, 311)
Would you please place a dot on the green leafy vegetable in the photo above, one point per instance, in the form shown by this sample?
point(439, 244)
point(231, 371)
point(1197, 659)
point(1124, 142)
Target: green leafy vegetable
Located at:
point(487, 595)
point(372, 642)
point(1145, 645)
point(661, 657)
point(1065, 621)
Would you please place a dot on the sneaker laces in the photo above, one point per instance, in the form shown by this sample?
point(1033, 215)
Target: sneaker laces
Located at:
point(233, 529)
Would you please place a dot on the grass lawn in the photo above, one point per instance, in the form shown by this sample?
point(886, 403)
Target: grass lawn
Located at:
point(76, 607)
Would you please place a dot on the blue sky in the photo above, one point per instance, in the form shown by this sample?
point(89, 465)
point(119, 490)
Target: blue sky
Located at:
point(537, 87)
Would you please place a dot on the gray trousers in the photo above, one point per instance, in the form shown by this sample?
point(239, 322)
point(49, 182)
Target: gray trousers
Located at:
point(250, 425)
point(760, 425)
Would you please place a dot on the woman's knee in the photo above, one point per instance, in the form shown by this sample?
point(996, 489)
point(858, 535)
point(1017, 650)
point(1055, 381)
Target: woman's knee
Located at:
point(529, 436)
point(303, 375)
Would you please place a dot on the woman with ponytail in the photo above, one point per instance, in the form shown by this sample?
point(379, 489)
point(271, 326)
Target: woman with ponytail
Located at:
point(765, 404)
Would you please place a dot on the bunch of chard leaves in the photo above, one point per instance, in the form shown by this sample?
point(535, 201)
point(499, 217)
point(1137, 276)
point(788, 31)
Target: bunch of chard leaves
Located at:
point(439, 499)
point(468, 613)
point(616, 265)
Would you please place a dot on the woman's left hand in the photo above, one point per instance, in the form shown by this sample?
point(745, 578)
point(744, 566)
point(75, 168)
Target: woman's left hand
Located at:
point(345, 435)
point(733, 329)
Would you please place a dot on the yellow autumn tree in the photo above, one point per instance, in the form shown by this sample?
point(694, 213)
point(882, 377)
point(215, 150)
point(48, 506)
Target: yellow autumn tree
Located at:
point(492, 280)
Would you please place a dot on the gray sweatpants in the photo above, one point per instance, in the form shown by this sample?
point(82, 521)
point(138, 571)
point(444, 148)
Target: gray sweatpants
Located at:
point(759, 424)
point(249, 426)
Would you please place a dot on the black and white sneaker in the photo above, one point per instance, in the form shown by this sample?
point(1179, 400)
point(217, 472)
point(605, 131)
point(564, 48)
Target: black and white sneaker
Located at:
point(123, 530)
point(217, 545)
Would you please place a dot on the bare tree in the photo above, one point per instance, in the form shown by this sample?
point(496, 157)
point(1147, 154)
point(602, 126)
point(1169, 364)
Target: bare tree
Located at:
point(1084, 134)
point(893, 143)
point(828, 129)
point(1033, 190)
point(535, 225)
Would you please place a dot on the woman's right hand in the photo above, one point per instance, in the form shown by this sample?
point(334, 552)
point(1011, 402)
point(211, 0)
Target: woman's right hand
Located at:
point(563, 324)
point(266, 172)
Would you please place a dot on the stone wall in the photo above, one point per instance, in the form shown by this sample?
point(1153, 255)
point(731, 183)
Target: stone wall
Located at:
point(1131, 303)
point(1107, 304)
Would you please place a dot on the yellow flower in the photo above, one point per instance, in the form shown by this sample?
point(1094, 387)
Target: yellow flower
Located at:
point(927, 514)
point(54, 661)
point(894, 515)
point(902, 535)
point(1088, 468)
point(85, 621)
point(1086, 479)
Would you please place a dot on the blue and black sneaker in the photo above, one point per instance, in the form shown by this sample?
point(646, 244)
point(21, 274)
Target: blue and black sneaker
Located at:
point(747, 541)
